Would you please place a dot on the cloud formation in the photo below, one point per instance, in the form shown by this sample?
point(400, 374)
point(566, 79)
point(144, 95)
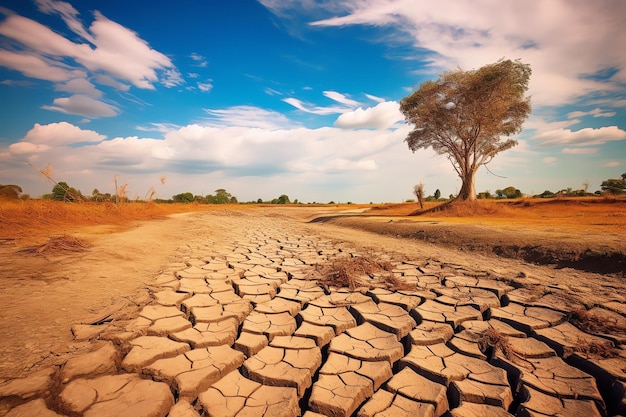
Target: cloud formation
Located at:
point(583, 137)
point(570, 46)
point(108, 53)
point(382, 116)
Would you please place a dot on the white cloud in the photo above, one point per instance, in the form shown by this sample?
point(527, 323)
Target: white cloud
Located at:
point(117, 51)
point(199, 60)
point(341, 98)
point(597, 112)
point(42, 139)
point(309, 108)
point(205, 87)
point(382, 116)
point(565, 44)
point(579, 151)
point(82, 105)
point(79, 86)
point(583, 137)
point(549, 160)
point(374, 98)
point(172, 77)
point(612, 164)
point(34, 66)
point(27, 148)
point(111, 82)
point(248, 116)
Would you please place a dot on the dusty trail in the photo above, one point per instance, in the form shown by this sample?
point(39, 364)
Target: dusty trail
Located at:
point(201, 308)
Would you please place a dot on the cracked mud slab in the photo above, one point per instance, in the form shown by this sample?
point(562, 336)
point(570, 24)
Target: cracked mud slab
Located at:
point(236, 395)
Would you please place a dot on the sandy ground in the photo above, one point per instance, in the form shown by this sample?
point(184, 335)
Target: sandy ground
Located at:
point(42, 297)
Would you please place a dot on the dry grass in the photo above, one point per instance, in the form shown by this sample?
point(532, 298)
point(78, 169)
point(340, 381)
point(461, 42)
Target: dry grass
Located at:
point(594, 324)
point(58, 245)
point(593, 348)
point(32, 222)
point(491, 338)
point(360, 271)
point(563, 214)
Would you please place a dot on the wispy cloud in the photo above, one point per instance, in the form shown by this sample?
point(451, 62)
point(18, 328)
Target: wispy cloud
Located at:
point(313, 109)
point(448, 34)
point(341, 98)
point(205, 87)
point(597, 112)
point(82, 105)
point(579, 151)
point(248, 116)
point(199, 60)
point(113, 50)
point(583, 137)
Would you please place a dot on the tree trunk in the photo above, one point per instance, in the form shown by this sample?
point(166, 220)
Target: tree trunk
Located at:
point(468, 190)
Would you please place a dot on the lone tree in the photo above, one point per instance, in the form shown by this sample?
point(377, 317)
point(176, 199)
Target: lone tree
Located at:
point(467, 116)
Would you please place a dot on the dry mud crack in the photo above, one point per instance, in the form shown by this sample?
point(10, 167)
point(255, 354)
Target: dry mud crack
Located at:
point(240, 326)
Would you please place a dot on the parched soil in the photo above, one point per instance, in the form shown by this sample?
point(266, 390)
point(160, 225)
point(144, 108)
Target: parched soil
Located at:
point(585, 235)
point(108, 293)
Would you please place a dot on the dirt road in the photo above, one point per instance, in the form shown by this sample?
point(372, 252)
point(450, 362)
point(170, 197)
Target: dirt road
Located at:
point(210, 313)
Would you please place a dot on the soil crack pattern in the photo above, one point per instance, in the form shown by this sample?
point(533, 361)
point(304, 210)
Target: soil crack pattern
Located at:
point(251, 327)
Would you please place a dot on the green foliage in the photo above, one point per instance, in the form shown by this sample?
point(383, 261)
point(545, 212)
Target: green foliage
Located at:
point(546, 194)
point(63, 192)
point(465, 114)
point(509, 192)
point(221, 197)
point(614, 186)
point(437, 194)
point(283, 199)
point(183, 198)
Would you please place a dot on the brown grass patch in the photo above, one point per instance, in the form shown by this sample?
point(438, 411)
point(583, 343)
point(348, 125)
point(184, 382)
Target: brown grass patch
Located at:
point(567, 215)
point(58, 245)
point(34, 221)
point(360, 271)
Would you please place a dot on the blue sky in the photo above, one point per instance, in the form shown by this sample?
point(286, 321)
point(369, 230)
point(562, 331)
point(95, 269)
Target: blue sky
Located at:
point(275, 97)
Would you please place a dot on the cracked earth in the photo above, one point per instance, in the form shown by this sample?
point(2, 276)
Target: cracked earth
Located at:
point(237, 323)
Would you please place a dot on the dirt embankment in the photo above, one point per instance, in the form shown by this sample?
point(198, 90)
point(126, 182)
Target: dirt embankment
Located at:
point(597, 253)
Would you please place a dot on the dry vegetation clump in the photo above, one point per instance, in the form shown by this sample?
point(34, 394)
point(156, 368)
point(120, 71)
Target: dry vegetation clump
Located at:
point(594, 348)
point(493, 339)
point(57, 245)
point(590, 323)
point(356, 271)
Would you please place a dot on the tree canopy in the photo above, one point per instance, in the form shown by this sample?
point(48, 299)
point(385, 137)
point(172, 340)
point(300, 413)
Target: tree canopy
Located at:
point(467, 116)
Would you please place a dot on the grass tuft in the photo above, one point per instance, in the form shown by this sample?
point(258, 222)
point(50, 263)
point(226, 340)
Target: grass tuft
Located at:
point(359, 271)
point(594, 348)
point(590, 323)
point(493, 339)
point(58, 245)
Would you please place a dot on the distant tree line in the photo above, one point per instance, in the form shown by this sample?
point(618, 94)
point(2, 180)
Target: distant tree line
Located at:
point(62, 191)
point(613, 186)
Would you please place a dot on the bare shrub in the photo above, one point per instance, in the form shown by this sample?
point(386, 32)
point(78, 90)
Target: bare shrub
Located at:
point(418, 190)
